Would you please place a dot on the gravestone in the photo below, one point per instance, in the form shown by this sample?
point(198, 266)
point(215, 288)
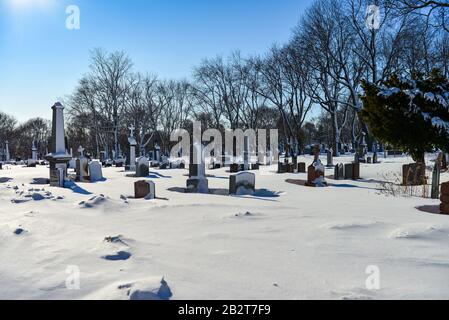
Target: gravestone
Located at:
point(339, 172)
point(444, 166)
point(315, 175)
point(330, 158)
point(435, 192)
point(157, 154)
point(197, 182)
point(246, 164)
point(58, 158)
point(356, 171)
point(234, 168)
point(243, 183)
point(348, 171)
point(144, 189)
point(444, 197)
point(302, 167)
point(131, 156)
point(95, 171)
point(375, 157)
point(82, 167)
point(282, 167)
point(7, 155)
point(33, 161)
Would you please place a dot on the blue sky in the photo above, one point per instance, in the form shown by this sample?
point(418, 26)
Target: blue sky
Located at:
point(41, 60)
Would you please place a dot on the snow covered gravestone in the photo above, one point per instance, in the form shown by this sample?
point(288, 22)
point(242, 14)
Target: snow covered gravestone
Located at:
point(315, 175)
point(243, 183)
point(96, 173)
point(143, 167)
point(145, 189)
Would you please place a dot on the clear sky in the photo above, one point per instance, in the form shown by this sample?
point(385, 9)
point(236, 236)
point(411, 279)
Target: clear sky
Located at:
point(41, 60)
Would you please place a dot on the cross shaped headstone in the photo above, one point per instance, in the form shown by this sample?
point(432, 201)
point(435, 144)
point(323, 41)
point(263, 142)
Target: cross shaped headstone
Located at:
point(81, 151)
point(132, 128)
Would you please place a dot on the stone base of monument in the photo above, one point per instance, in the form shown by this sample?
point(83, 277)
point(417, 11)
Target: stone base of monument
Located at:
point(243, 183)
point(414, 174)
point(145, 190)
point(197, 185)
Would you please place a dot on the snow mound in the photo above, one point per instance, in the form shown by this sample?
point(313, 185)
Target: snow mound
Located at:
point(419, 231)
point(148, 289)
point(33, 195)
point(94, 202)
point(348, 225)
point(148, 292)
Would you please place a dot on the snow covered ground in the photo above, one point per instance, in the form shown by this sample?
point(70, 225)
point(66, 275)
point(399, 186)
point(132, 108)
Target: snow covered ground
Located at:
point(287, 242)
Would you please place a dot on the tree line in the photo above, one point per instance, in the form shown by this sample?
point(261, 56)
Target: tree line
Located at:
point(333, 48)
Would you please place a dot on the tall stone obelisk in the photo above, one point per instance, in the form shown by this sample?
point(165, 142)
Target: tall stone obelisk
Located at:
point(58, 156)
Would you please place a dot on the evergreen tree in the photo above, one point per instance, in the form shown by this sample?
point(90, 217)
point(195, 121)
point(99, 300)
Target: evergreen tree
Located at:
point(411, 114)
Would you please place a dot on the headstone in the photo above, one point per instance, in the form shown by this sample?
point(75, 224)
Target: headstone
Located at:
point(375, 157)
point(282, 167)
point(131, 156)
point(315, 175)
point(302, 167)
point(58, 158)
point(330, 158)
point(95, 171)
point(144, 190)
point(339, 172)
point(246, 164)
point(235, 168)
point(197, 182)
point(435, 192)
point(348, 171)
point(157, 153)
point(369, 160)
point(356, 171)
point(444, 197)
point(82, 167)
point(444, 166)
point(243, 183)
point(7, 155)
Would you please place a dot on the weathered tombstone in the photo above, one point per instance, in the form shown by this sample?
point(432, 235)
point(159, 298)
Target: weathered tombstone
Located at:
point(144, 190)
point(234, 168)
point(444, 197)
point(282, 167)
point(315, 175)
point(356, 171)
point(369, 160)
point(58, 158)
point(414, 174)
point(375, 157)
point(243, 183)
point(131, 156)
point(95, 171)
point(197, 182)
point(302, 167)
point(339, 172)
point(82, 167)
point(246, 164)
point(330, 158)
point(435, 193)
point(157, 153)
point(348, 171)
